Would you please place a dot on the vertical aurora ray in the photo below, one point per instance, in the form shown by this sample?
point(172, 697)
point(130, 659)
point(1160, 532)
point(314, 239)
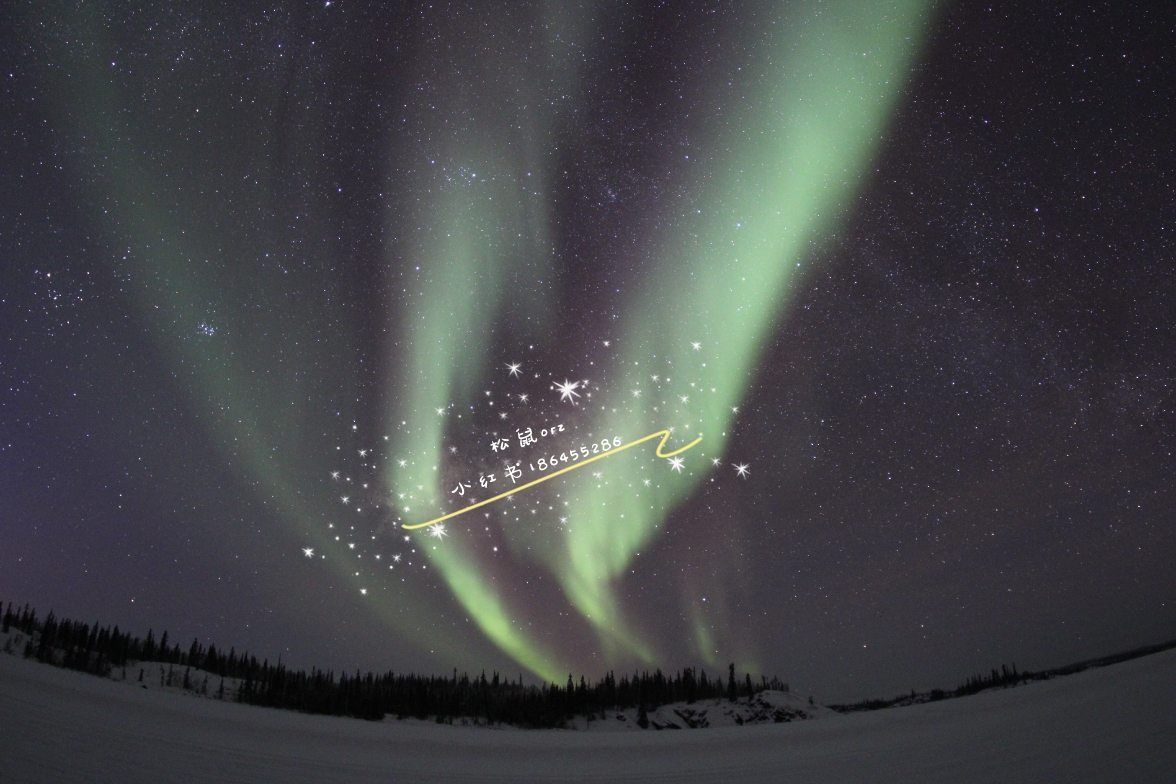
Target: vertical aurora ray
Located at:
point(480, 236)
point(723, 276)
point(461, 288)
point(254, 380)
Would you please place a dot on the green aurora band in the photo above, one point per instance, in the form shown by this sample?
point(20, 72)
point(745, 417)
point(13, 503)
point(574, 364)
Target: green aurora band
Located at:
point(723, 276)
point(785, 162)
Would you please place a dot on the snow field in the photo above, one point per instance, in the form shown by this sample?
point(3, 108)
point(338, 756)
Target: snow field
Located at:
point(1110, 724)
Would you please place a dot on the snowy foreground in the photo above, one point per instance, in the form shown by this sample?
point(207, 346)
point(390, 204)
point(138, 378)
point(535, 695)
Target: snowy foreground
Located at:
point(1113, 724)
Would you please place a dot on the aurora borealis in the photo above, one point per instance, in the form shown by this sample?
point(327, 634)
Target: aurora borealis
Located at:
point(282, 276)
point(720, 273)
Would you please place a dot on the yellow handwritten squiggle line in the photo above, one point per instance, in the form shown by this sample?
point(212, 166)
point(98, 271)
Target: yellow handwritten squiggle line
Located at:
point(665, 434)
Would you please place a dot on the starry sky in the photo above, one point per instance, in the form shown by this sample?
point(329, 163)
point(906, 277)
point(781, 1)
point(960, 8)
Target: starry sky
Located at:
point(833, 339)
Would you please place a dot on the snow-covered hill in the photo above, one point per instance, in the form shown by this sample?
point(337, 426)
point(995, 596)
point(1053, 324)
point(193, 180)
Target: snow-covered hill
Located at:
point(767, 707)
point(151, 676)
point(1112, 724)
point(763, 708)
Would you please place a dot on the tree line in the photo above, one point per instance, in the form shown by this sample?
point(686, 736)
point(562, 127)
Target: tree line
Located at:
point(494, 699)
point(1005, 677)
point(98, 649)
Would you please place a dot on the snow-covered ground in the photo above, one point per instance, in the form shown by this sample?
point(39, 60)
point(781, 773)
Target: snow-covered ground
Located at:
point(767, 707)
point(1113, 724)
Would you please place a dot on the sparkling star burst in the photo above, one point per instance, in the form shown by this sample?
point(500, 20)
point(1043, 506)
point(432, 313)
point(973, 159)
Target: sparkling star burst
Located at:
point(676, 464)
point(437, 531)
point(567, 391)
point(742, 470)
point(514, 368)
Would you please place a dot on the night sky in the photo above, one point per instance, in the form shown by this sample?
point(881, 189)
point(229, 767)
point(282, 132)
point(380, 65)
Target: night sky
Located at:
point(279, 280)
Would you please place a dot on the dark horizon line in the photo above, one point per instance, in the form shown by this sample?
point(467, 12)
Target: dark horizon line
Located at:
point(973, 684)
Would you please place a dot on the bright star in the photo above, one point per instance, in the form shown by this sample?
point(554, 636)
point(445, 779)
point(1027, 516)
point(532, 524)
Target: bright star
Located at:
point(654, 378)
point(685, 398)
point(741, 469)
point(676, 464)
point(522, 398)
point(345, 499)
point(440, 411)
point(334, 474)
point(396, 558)
point(715, 461)
point(308, 552)
point(567, 391)
point(402, 463)
point(696, 346)
point(606, 344)
point(437, 531)
point(646, 482)
point(513, 367)
point(363, 591)
point(636, 393)
point(363, 453)
point(734, 409)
